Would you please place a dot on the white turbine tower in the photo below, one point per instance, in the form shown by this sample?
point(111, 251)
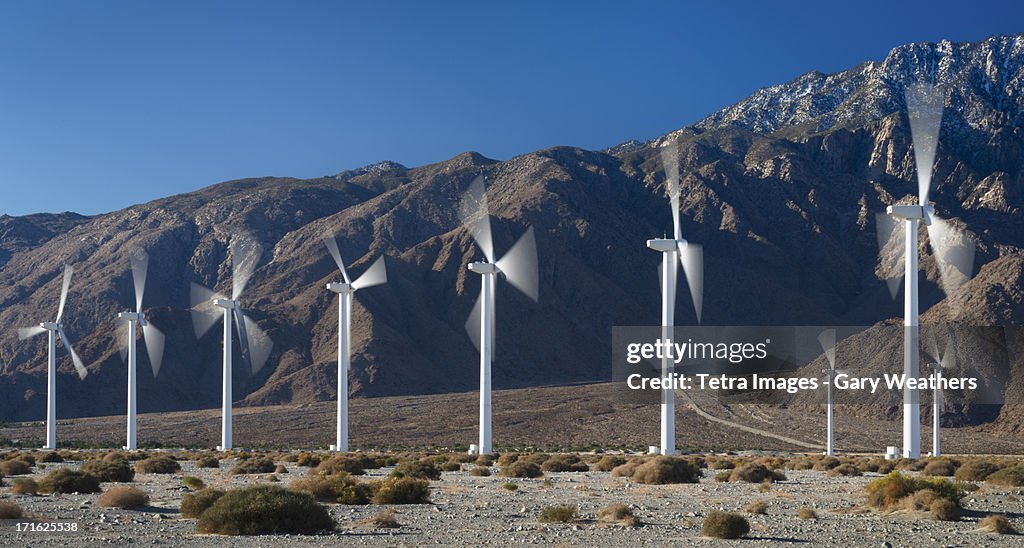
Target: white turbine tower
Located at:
point(943, 360)
point(691, 256)
point(375, 275)
point(953, 250)
point(55, 329)
point(153, 337)
point(254, 343)
point(827, 338)
point(519, 266)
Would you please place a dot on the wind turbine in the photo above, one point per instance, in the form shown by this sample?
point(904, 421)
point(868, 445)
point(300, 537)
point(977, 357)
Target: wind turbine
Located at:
point(154, 339)
point(375, 275)
point(691, 256)
point(944, 360)
point(827, 338)
point(953, 250)
point(53, 329)
point(254, 343)
point(519, 266)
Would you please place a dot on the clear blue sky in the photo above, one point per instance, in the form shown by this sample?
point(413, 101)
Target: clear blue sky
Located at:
point(104, 104)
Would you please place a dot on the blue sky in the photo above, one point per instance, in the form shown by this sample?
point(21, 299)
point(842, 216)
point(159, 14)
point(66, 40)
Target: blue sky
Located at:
point(104, 104)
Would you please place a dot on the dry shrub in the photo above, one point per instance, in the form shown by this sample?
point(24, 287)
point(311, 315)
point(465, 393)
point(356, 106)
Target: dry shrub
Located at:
point(521, 469)
point(723, 476)
point(25, 486)
point(339, 488)
point(401, 491)
point(620, 514)
point(756, 473)
point(720, 463)
point(9, 510)
point(607, 463)
point(52, 456)
point(509, 486)
point(939, 467)
point(265, 510)
point(208, 462)
point(157, 465)
point(626, 470)
point(336, 465)
point(846, 469)
point(807, 512)
point(506, 459)
point(557, 514)
point(193, 483)
point(664, 470)
point(825, 464)
point(383, 520)
point(1007, 477)
point(308, 460)
point(564, 463)
point(109, 470)
point(66, 480)
point(480, 471)
point(15, 467)
point(910, 465)
point(800, 464)
point(125, 498)
point(997, 523)
point(944, 510)
point(976, 470)
point(420, 469)
point(718, 524)
point(890, 491)
point(254, 465)
point(194, 504)
point(484, 460)
point(450, 466)
point(280, 469)
point(759, 506)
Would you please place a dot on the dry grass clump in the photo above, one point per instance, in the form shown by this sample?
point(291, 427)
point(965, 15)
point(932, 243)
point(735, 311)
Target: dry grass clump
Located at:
point(336, 465)
point(944, 510)
point(910, 465)
point(720, 463)
point(1007, 477)
point(14, 467)
point(824, 464)
point(338, 488)
point(664, 470)
point(401, 491)
point(759, 506)
point(157, 465)
point(9, 510)
point(420, 469)
point(265, 510)
point(806, 512)
point(450, 466)
point(484, 460)
point(125, 498)
point(726, 525)
point(193, 483)
point(997, 523)
point(66, 480)
point(480, 471)
point(254, 465)
point(520, 469)
point(208, 461)
point(620, 514)
point(383, 520)
point(845, 469)
point(608, 463)
point(940, 467)
point(109, 470)
point(557, 514)
point(280, 469)
point(24, 457)
point(194, 504)
point(307, 460)
point(756, 473)
point(898, 490)
point(976, 470)
point(564, 463)
point(25, 486)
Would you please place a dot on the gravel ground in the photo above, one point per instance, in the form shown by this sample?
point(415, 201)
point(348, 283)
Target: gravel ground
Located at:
point(469, 510)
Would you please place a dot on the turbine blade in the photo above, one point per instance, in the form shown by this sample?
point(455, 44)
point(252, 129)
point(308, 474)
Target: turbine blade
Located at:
point(494, 325)
point(890, 252)
point(204, 313)
point(375, 275)
point(949, 357)
point(473, 322)
point(827, 339)
point(520, 265)
point(154, 347)
point(140, 268)
point(245, 255)
point(68, 271)
point(243, 339)
point(924, 110)
point(692, 258)
point(29, 332)
point(260, 345)
point(79, 366)
point(332, 246)
point(475, 216)
point(670, 162)
point(122, 341)
point(954, 254)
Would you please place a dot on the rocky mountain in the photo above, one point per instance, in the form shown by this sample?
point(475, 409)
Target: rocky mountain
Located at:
point(781, 189)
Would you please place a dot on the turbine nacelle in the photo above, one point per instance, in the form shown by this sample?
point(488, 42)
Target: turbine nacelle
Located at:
point(665, 245)
point(484, 268)
point(227, 304)
point(50, 326)
point(132, 317)
point(911, 212)
point(341, 287)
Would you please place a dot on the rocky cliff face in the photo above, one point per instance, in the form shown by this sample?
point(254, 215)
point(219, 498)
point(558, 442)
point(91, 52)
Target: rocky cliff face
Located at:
point(781, 189)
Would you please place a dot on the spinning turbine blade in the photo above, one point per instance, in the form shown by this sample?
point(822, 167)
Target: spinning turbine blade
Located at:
point(692, 258)
point(79, 366)
point(29, 332)
point(475, 216)
point(494, 331)
point(245, 254)
point(140, 267)
point(204, 313)
point(890, 245)
point(122, 340)
point(375, 275)
point(520, 265)
point(332, 246)
point(259, 344)
point(68, 271)
point(954, 254)
point(924, 110)
point(827, 339)
point(243, 339)
point(154, 347)
point(473, 322)
point(670, 161)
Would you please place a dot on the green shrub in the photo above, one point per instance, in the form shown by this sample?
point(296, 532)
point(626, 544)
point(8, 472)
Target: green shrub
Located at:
point(718, 524)
point(608, 463)
point(9, 510)
point(976, 470)
point(254, 465)
point(618, 513)
point(157, 465)
point(193, 483)
point(265, 510)
point(756, 473)
point(15, 467)
point(997, 523)
point(194, 504)
point(521, 469)
point(509, 486)
point(664, 469)
point(208, 462)
point(557, 514)
point(402, 491)
point(420, 469)
point(25, 486)
point(66, 480)
point(125, 498)
point(1007, 477)
point(480, 471)
point(106, 471)
point(939, 467)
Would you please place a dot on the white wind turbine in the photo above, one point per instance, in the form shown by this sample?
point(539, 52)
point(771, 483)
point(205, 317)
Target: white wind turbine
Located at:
point(53, 329)
point(254, 343)
point(943, 360)
point(953, 250)
point(519, 266)
point(375, 275)
point(691, 256)
point(827, 338)
point(154, 339)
